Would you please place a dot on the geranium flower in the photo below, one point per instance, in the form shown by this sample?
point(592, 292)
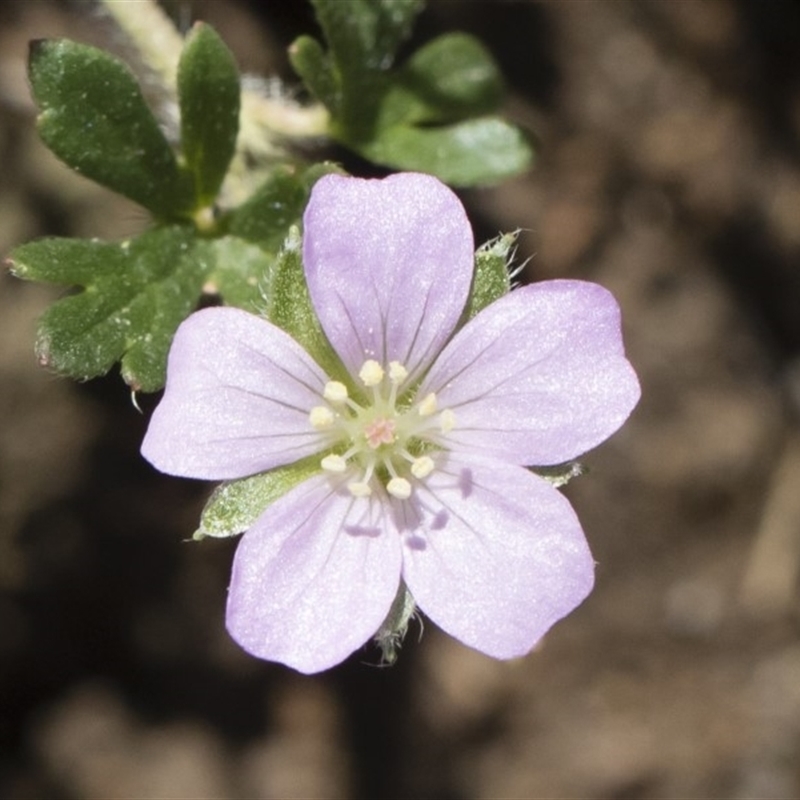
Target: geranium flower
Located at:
point(423, 441)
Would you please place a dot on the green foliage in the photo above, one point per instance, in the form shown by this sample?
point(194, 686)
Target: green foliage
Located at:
point(435, 113)
point(209, 95)
point(473, 152)
point(136, 293)
point(94, 118)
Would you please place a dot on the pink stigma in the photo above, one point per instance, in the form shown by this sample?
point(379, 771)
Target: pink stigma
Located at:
point(379, 431)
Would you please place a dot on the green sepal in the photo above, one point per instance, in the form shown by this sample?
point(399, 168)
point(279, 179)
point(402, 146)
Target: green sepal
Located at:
point(392, 632)
point(492, 278)
point(135, 295)
point(235, 505)
point(94, 118)
point(209, 98)
point(290, 306)
point(560, 474)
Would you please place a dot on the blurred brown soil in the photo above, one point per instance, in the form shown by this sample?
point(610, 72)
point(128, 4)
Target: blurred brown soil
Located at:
point(670, 173)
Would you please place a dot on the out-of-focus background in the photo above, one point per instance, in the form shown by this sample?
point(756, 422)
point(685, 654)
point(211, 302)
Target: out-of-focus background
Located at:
point(670, 173)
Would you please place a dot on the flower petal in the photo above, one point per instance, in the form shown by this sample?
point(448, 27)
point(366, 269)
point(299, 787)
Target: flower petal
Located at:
point(498, 555)
point(389, 265)
point(539, 376)
point(237, 399)
point(314, 578)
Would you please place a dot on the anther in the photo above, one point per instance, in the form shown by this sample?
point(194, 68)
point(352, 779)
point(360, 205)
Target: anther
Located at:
point(399, 488)
point(333, 463)
point(397, 372)
point(359, 489)
point(422, 467)
point(335, 392)
point(447, 421)
point(321, 417)
point(428, 405)
point(371, 373)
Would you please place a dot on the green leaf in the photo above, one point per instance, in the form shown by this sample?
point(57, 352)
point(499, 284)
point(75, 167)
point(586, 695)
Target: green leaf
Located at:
point(235, 505)
point(312, 64)
point(362, 37)
point(209, 97)
point(240, 272)
point(431, 114)
point(454, 77)
point(491, 279)
point(475, 152)
point(135, 295)
point(267, 215)
point(94, 118)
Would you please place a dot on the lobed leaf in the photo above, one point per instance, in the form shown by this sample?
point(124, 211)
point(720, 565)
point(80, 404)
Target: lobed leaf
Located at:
point(94, 118)
point(431, 114)
point(135, 295)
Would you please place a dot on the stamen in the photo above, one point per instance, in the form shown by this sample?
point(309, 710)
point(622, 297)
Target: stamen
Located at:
point(428, 405)
point(359, 489)
point(399, 488)
point(333, 463)
point(397, 372)
point(321, 417)
point(422, 467)
point(335, 392)
point(447, 421)
point(371, 373)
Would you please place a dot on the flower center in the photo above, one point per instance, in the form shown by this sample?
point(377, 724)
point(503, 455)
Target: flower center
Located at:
point(387, 440)
point(380, 431)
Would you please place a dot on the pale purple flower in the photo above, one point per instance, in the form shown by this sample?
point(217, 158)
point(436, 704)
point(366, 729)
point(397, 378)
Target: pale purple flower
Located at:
point(423, 445)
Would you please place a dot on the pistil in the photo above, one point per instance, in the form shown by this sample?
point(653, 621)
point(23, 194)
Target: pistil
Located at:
point(379, 439)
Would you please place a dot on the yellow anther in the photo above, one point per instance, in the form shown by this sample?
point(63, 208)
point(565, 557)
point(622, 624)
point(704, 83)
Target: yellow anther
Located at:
point(428, 405)
point(321, 417)
point(447, 420)
point(371, 373)
point(333, 463)
point(399, 488)
point(335, 392)
point(397, 372)
point(359, 489)
point(422, 467)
